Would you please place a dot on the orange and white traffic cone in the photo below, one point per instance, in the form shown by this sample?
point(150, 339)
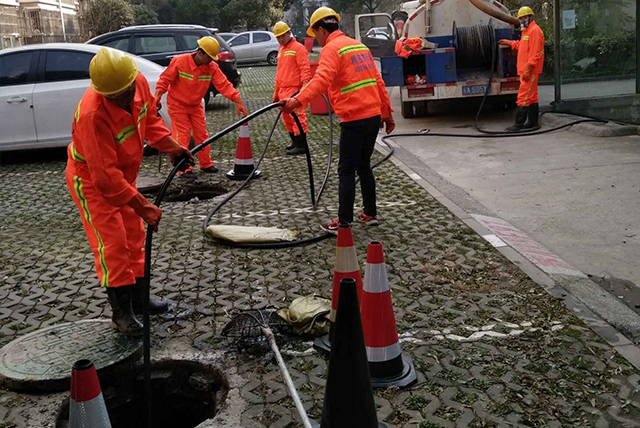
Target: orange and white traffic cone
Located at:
point(346, 267)
point(86, 406)
point(387, 365)
point(243, 163)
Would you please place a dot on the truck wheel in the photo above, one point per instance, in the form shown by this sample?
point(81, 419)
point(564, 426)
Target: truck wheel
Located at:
point(407, 109)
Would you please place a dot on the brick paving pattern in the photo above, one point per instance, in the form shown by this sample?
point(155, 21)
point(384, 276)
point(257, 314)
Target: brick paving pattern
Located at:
point(491, 347)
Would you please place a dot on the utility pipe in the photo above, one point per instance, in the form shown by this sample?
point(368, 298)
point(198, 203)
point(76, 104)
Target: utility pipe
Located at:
point(64, 33)
point(486, 8)
point(557, 71)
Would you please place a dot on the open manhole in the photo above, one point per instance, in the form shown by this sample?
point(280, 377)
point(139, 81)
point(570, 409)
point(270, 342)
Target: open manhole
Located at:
point(190, 191)
point(185, 394)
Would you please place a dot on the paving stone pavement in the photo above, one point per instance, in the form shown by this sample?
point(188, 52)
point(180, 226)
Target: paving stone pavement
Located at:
point(491, 347)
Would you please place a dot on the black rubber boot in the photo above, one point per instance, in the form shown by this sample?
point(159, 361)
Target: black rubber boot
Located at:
point(293, 141)
point(533, 115)
point(123, 318)
point(155, 306)
point(521, 117)
point(301, 145)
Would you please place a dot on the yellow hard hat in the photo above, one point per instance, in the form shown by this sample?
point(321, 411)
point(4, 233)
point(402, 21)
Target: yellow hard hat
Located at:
point(525, 11)
point(280, 28)
point(317, 16)
point(112, 71)
point(210, 45)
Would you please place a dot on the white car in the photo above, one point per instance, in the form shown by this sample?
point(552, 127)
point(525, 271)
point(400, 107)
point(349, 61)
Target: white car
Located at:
point(40, 86)
point(255, 46)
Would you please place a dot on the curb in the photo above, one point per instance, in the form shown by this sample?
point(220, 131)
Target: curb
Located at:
point(607, 129)
point(558, 278)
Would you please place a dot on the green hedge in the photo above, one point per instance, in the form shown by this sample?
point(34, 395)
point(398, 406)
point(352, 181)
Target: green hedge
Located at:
point(614, 56)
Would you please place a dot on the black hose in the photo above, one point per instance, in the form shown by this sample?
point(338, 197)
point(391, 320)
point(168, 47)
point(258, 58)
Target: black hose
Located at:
point(314, 199)
point(148, 248)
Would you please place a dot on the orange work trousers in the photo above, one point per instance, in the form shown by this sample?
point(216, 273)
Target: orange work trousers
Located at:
point(528, 92)
point(287, 119)
point(116, 234)
point(186, 119)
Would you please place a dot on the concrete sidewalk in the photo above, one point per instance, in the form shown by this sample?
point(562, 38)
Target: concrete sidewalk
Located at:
point(574, 194)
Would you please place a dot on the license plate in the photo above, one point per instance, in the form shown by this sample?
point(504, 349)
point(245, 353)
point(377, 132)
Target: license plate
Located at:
point(475, 90)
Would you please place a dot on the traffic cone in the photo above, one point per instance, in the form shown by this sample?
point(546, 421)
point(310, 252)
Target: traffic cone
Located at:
point(348, 397)
point(387, 365)
point(243, 163)
point(346, 267)
point(86, 406)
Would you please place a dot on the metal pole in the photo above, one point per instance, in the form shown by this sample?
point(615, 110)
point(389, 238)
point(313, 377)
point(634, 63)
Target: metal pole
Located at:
point(637, 47)
point(557, 77)
point(64, 33)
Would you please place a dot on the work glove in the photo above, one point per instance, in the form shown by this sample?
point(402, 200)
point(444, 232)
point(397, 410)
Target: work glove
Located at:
point(389, 124)
point(145, 209)
point(175, 151)
point(242, 109)
point(158, 98)
point(180, 154)
point(291, 104)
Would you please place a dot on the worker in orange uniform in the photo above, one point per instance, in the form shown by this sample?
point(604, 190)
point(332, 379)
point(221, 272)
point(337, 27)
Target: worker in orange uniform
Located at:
point(111, 122)
point(530, 49)
point(187, 79)
point(358, 95)
point(292, 74)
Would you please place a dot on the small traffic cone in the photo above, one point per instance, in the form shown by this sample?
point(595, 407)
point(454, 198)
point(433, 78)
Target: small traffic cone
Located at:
point(387, 365)
point(346, 267)
point(243, 163)
point(86, 406)
point(348, 397)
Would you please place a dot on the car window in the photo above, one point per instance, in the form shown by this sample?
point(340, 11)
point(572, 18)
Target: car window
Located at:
point(66, 65)
point(261, 37)
point(242, 39)
point(121, 44)
point(191, 41)
point(146, 45)
point(14, 68)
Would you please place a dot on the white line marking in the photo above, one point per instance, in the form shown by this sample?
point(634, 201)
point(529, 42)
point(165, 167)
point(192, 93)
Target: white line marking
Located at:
point(495, 241)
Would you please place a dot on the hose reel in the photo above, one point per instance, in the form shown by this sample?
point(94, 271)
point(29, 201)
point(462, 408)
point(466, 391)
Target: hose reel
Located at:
point(474, 46)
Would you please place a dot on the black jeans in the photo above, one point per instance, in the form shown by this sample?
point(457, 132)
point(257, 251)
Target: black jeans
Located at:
point(357, 140)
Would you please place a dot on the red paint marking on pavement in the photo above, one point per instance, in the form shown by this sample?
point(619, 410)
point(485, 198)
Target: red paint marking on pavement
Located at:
point(521, 242)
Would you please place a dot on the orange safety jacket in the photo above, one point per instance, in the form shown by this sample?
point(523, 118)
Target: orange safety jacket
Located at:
point(530, 49)
point(293, 66)
point(107, 141)
point(348, 74)
point(189, 82)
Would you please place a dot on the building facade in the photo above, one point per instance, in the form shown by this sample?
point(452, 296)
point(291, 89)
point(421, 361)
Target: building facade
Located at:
point(37, 21)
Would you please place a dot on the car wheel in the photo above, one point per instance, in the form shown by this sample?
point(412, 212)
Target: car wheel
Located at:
point(272, 58)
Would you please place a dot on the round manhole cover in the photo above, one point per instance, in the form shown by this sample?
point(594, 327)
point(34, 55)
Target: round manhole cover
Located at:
point(41, 361)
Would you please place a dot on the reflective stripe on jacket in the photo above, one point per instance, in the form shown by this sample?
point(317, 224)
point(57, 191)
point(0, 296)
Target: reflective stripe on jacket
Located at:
point(530, 49)
point(107, 142)
point(349, 75)
point(293, 66)
point(187, 83)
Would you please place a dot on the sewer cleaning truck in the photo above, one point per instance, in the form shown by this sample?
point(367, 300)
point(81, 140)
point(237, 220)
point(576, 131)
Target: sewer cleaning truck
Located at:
point(458, 54)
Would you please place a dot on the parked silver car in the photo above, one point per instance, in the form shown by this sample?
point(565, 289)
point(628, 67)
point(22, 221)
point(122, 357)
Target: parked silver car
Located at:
point(227, 36)
point(255, 46)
